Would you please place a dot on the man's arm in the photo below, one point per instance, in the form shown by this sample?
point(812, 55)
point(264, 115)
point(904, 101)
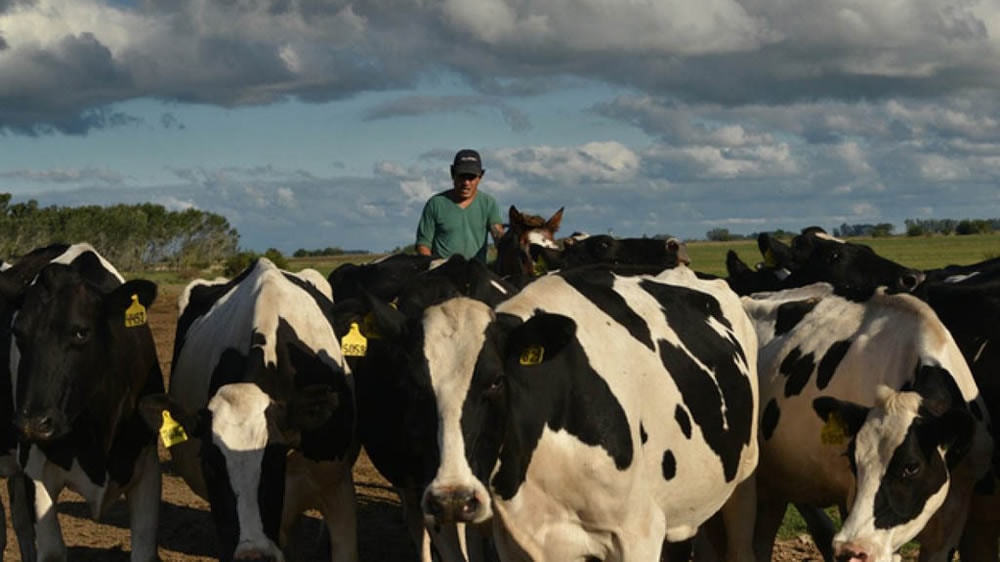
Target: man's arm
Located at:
point(423, 250)
point(497, 231)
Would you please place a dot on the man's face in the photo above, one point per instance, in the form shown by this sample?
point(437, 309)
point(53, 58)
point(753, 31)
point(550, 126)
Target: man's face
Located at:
point(466, 185)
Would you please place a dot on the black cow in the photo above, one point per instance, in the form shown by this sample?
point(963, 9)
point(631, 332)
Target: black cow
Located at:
point(854, 270)
point(266, 403)
point(646, 255)
point(382, 278)
point(82, 357)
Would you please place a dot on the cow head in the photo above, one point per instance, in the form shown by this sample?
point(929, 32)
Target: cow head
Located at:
point(479, 365)
point(902, 451)
point(525, 231)
point(854, 269)
point(75, 339)
point(244, 436)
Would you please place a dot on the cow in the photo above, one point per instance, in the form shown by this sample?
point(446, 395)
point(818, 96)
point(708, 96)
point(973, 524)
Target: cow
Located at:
point(644, 255)
point(261, 410)
point(397, 422)
point(965, 298)
point(855, 270)
point(590, 416)
point(383, 277)
point(983, 271)
point(514, 259)
point(911, 436)
point(81, 357)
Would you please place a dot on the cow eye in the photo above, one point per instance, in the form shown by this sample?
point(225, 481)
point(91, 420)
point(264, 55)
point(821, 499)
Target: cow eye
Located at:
point(834, 257)
point(910, 470)
point(495, 389)
point(80, 334)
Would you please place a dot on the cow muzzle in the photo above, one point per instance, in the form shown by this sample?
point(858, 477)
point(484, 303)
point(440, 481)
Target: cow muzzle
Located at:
point(453, 506)
point(855, 551)
point(908, 281)
point(40, 426)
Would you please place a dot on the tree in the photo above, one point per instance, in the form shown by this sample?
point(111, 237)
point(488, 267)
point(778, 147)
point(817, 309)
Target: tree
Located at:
point(719, 235)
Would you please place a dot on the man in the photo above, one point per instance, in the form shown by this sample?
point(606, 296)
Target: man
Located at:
point(457, 221)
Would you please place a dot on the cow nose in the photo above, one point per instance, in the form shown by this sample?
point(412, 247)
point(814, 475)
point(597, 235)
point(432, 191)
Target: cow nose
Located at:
point(849, 552)
point(909, 280)
point(38, 427)
point(452, 507)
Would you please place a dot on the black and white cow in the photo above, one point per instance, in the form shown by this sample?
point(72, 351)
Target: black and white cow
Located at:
point(910, 420)
point(81, 358)
point(965, 298)
point(397, 423)
point(591, 415)
point(261, 389)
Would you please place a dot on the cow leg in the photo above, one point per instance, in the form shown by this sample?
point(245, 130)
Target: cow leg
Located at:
point(340, 512)
point(51, 547)
point(979, 543)
point(144, 506)
point(413, 517)
point(738, 516)
point(22, 512)
point(770, 514)
point(820, 528)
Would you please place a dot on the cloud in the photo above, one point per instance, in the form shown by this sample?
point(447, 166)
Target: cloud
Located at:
point(411, 106)
point(66, 176)
point(64, 58)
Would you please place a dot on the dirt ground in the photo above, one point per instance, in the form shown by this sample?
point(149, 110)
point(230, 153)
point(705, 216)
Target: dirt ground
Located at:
point(186, 529)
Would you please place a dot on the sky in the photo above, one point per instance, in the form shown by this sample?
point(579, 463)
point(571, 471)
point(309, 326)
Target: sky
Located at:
point(318, 123)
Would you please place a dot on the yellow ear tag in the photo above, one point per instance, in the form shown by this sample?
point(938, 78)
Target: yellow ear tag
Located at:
point(769, 259)
point(354, 344)
point(369, 328)
point(135, 314)
point(171, 432)
point(540, 267)
point(532, 355)
point(834, 431)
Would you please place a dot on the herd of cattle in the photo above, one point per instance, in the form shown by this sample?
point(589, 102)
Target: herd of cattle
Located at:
point(600, 401)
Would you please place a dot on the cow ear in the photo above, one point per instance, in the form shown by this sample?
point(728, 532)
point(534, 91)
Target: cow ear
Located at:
point(937, 389)
point(514, 216)
point(129, 302)
point(121, 297)
point(389, 322)
point(776, 253)
point(540, 339)
point(160, 412)
point(553, 223)
point(840, 415)
point(735, 266)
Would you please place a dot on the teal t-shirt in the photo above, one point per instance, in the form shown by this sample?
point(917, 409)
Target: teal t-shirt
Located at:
point(448, 229)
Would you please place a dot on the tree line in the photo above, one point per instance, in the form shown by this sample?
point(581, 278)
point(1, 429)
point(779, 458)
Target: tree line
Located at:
point(133, 237)
point(914, 227)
